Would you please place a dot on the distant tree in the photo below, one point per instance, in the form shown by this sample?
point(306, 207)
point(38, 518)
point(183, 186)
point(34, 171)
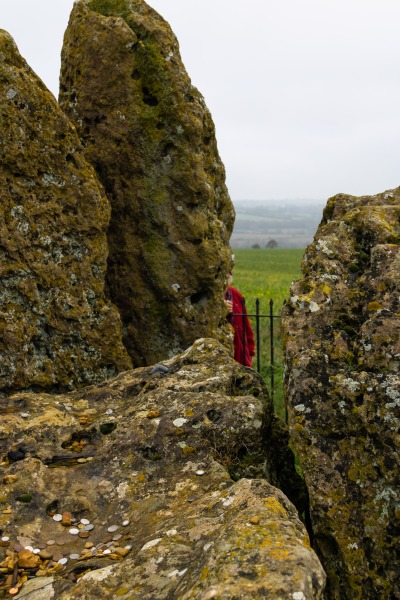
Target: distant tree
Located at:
point(255, 245)
point(272, 244)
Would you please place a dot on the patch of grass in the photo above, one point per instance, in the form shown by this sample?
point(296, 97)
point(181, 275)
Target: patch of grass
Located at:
point(267, 274)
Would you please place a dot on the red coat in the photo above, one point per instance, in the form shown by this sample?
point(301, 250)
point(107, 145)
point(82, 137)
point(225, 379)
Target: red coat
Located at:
point(243, 341)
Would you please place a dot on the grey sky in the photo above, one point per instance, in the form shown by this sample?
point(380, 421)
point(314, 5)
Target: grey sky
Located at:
point(304, 93)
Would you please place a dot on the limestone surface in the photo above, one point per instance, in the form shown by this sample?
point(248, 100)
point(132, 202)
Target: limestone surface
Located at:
point(151, 139)
point(57, 330)
point(342, 326)
point(124, 490)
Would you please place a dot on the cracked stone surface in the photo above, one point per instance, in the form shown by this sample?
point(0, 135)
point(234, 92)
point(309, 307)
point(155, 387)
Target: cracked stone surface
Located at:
point(144, 462)
point(342, 326)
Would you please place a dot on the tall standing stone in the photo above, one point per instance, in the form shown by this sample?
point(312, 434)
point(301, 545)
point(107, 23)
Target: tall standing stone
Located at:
point(57, 331)
point(342, 328)
point(151, 139)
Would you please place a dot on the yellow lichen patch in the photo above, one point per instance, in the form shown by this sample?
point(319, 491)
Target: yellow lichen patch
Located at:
point(326, 289)
point(339, 512)
point(375, 306)
point(204, 573)
point(274, 506)
point(361, 472)
point(187, 450)
point(153, 414)
point(279, 553)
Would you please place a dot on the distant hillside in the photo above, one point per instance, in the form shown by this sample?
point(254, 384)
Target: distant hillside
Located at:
point(289, 223)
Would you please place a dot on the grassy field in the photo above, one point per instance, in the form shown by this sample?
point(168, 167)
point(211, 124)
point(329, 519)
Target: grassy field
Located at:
point(268, 274)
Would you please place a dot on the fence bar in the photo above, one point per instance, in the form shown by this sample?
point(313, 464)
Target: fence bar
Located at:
point(271, 324)
point(258, 339)
point(244, 330)
point(259, 316)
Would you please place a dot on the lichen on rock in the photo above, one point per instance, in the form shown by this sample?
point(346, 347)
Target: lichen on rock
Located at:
point(58, 331)
point(129, 488)
point(342, 325)
point(151, 139)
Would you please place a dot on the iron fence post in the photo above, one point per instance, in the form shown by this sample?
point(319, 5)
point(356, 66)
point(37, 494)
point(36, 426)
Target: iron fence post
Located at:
point(271, 321)
point(244, 329)
point(258, 334)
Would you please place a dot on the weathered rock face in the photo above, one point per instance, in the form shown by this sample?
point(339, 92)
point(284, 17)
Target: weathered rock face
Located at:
point(151, 139)
point(57, 331)
point(144, 459)
point(343, 391)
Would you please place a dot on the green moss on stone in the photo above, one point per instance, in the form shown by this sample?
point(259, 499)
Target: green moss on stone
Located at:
point(110, 7)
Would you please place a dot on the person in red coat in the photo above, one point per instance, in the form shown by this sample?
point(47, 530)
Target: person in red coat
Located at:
point(243, 340)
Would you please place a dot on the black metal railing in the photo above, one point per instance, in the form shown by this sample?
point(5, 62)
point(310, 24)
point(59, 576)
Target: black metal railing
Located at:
point(258, 316)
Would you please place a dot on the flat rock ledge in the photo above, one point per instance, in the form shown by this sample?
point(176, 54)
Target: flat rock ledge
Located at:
point(123, 490)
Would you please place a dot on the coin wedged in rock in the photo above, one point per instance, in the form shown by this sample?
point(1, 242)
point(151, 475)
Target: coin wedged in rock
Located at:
point(66, 519)
point(122, 551)
point(107, 539)
point(84, 534)
point(28, 560)
point(63, 539)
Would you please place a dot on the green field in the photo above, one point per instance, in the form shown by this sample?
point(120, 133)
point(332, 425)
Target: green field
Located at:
point(267, 275)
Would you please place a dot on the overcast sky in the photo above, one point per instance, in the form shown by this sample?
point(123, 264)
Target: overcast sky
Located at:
point(305, 94)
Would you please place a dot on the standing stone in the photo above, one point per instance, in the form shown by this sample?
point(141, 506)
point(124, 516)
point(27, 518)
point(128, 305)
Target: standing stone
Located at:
point(343, 391)
point(57, 331)
point(151, 139)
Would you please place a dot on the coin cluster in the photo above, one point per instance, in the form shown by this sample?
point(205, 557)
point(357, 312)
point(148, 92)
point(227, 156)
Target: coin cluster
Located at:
point(52, 556)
